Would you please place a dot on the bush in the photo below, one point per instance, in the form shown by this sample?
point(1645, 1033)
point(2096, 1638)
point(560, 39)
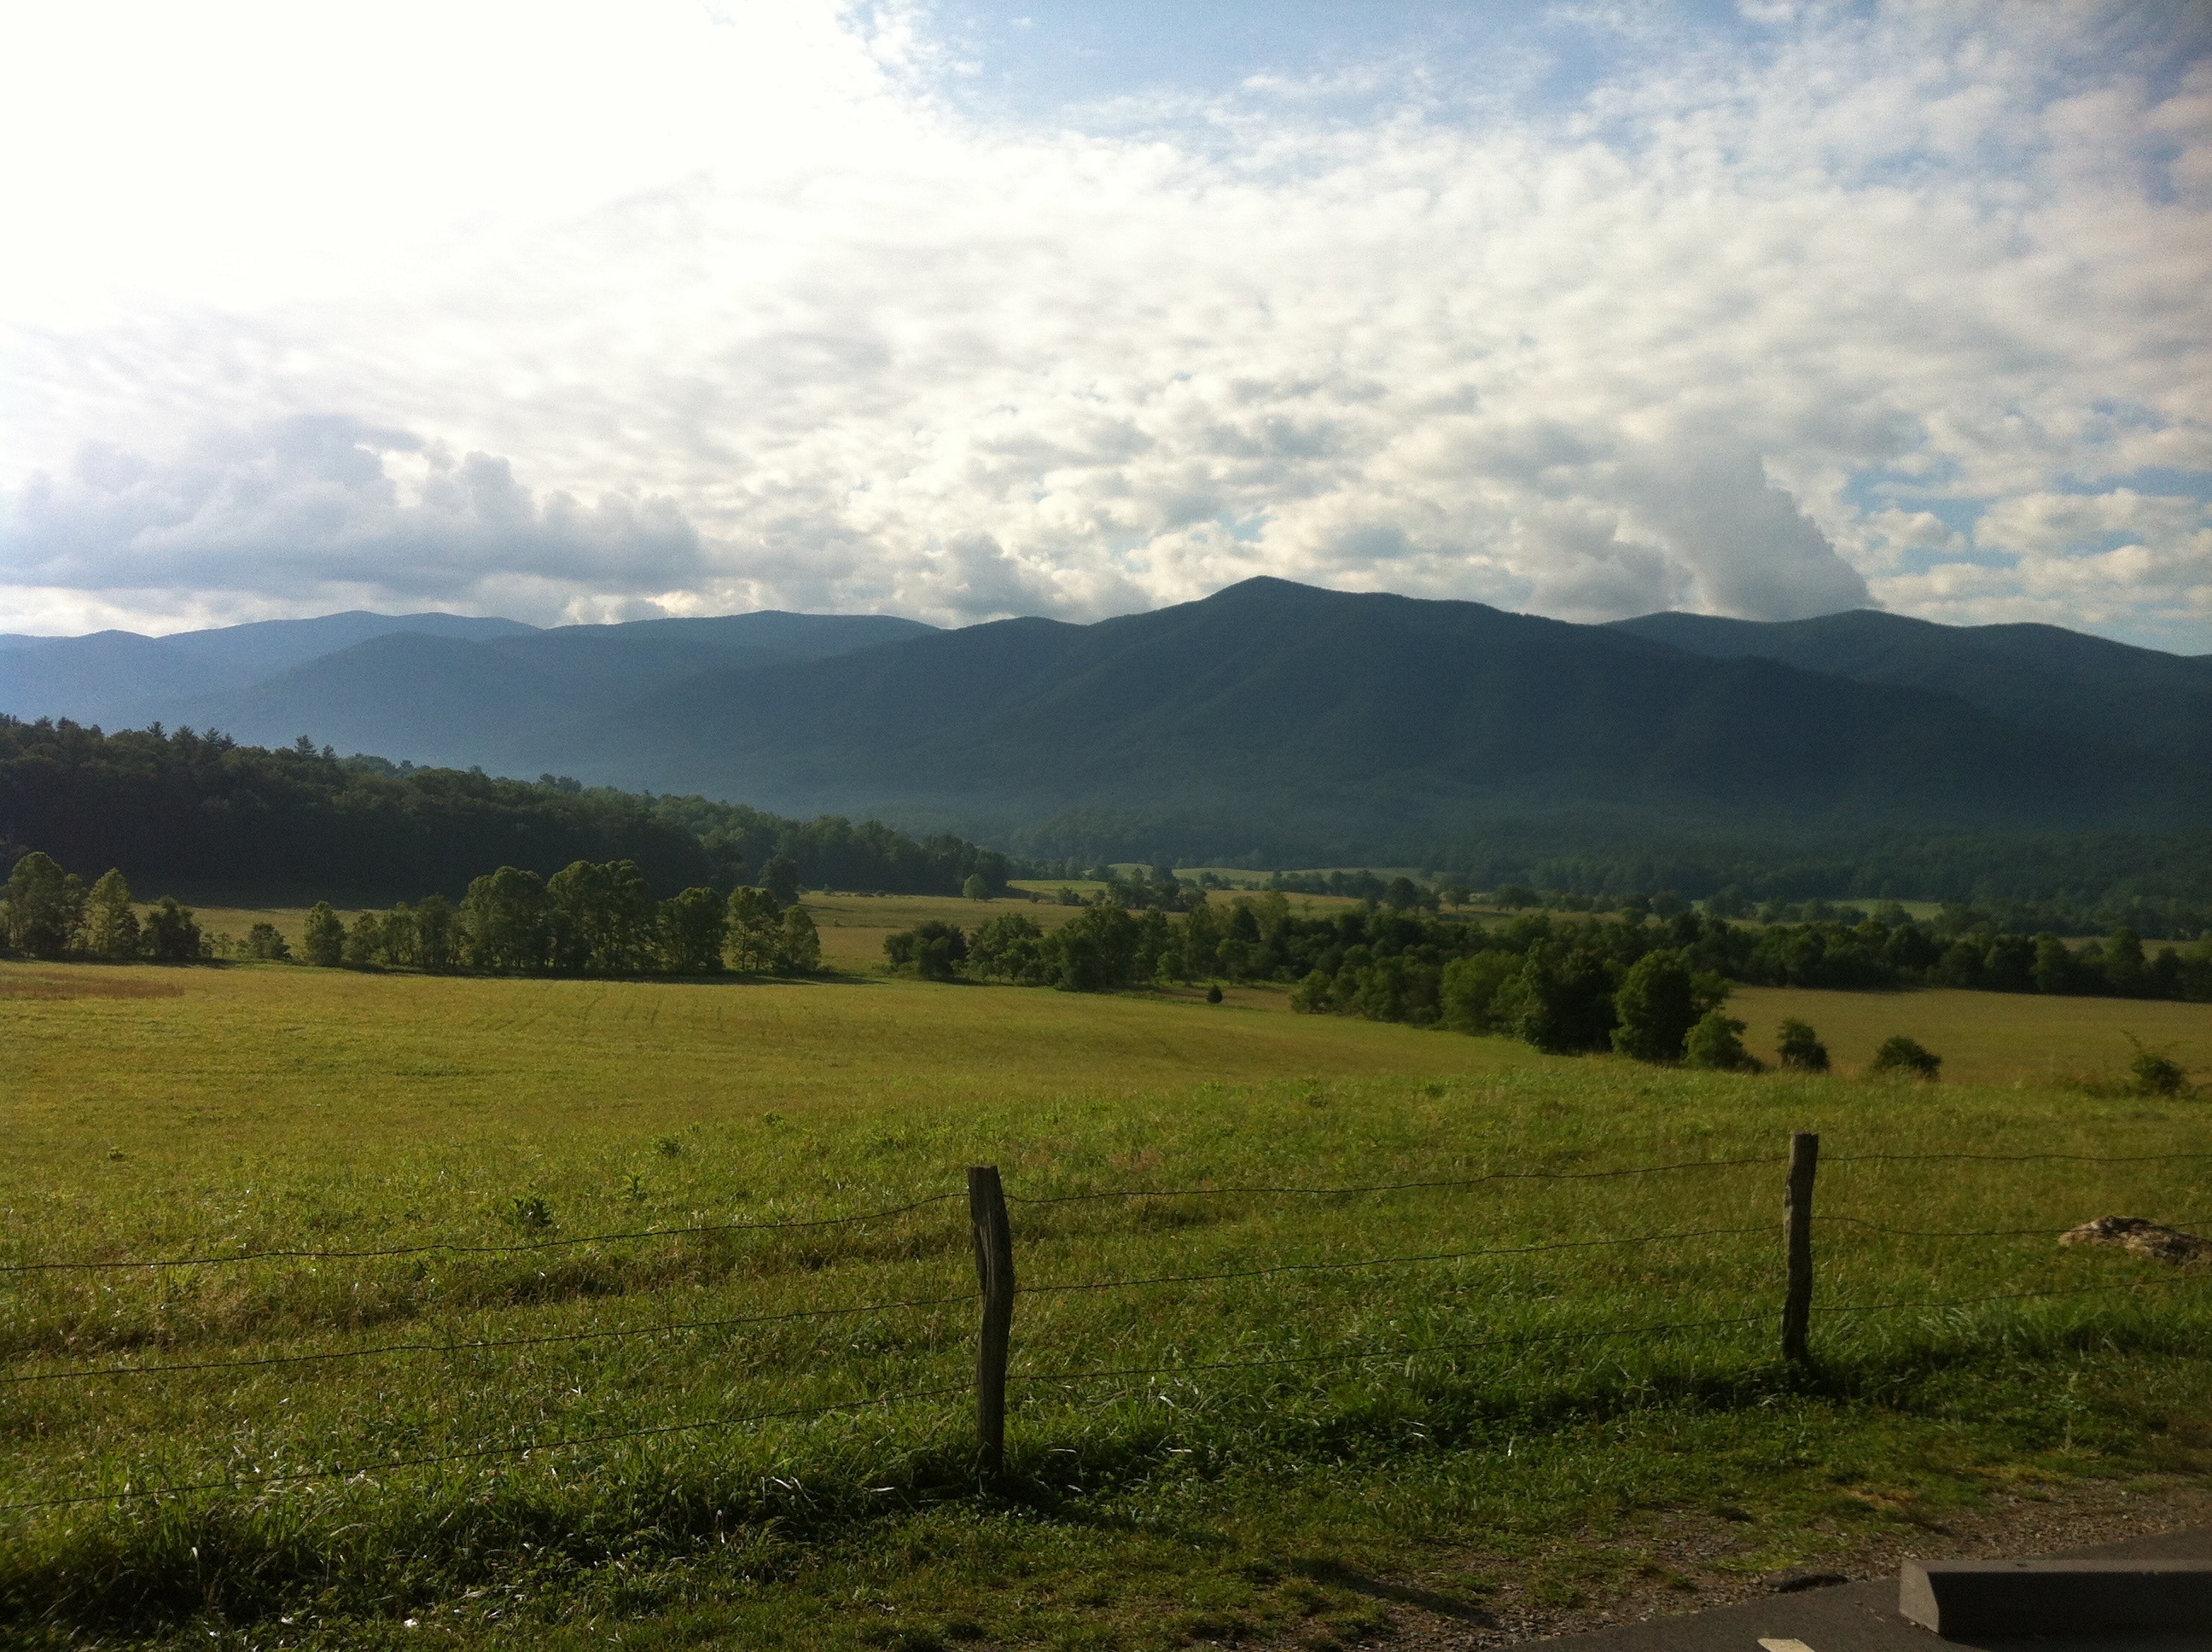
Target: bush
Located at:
point(1801, 1049)
point(172, 935)
point(2155, 1073)
point(933, 950)
point(1906, 1057)
point(1716, 1044)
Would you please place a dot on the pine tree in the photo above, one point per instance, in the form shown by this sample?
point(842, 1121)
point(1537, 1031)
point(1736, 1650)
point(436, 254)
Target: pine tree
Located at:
point(115, 933)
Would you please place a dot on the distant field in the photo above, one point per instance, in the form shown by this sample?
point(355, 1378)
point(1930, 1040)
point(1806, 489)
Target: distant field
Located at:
point(2004, 1038)
point(291, 922)
point(851, 926)
point(1207, 1497)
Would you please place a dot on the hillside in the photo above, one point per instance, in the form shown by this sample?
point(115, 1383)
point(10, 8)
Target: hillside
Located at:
point(185, 813)
point(1272, 722)
point(119, 679)
point(505, 702)
point(2041, 675)
point(1318, 724)
point(427, 688)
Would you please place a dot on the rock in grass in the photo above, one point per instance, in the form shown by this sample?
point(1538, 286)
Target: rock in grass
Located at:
point(2142, 1235)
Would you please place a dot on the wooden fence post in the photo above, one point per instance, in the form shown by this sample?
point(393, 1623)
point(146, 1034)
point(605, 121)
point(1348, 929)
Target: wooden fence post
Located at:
point(1797, 1306)
point(994, 1272)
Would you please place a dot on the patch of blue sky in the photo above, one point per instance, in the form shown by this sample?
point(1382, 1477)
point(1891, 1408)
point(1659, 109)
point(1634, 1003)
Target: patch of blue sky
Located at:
point(2163, 481)
point(1121, 63)
point(1882, 490)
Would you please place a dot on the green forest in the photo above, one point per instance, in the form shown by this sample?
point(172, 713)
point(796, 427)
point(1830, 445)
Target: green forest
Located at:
point(177, 808)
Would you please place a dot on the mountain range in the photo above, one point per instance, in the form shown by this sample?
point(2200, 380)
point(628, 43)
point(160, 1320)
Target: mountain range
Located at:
point(1306, 725)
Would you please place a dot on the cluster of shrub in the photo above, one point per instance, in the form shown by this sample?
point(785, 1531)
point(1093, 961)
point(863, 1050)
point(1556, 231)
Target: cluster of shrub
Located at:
point(47, 913)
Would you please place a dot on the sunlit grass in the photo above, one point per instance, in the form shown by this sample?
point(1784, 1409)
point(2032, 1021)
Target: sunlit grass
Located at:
point(1511, 1401)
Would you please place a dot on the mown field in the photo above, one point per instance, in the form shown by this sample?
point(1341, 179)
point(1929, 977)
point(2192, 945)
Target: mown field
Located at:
point(1512, 1414)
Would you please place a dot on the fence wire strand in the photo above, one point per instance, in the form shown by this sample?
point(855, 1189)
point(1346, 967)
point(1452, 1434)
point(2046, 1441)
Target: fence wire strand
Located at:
point(2008, 1158)
point(1970, 1233)
point(1339, 1357)
point(1387, 1187)
point(455, 1248)
point(1384, 1261)
point(610, 1333)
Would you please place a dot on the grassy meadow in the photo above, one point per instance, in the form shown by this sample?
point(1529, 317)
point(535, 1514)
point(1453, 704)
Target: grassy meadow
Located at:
point(1282, 1458)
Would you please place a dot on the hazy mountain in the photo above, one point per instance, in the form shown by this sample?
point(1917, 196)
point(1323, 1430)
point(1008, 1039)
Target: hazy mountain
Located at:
point(2037, 674)
point(430, 688)
point(120, 679)
point(1312, 725)
point(1321, 722)
point(504, 702)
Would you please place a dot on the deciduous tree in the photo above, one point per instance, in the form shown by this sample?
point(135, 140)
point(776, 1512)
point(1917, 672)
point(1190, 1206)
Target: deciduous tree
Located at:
point(324, 941)
point(46, 908)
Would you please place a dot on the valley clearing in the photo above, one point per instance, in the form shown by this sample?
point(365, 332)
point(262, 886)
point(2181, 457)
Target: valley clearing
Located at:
point(558, 1313)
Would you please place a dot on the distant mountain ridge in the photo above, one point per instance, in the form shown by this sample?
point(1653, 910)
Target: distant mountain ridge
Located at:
point(2041, 674)
point(122, 679)
point(1310, 726)
point(427, 688)
point(1320, 722)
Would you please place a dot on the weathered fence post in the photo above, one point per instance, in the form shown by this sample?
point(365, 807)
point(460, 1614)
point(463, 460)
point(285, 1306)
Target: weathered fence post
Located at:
point(1797, 1306)
point(994, 1272)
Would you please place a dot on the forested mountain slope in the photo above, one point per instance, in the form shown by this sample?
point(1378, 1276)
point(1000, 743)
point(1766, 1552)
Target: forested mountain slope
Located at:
point(505, 703)
point(2041, 675)
point(1322, 722)
point(1272, 720)
point(187, 813)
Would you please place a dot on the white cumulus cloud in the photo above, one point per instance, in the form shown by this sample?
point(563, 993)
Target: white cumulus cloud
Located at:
point(1906, 306)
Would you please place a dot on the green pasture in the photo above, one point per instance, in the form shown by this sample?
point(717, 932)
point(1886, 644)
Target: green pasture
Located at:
point(1989, 1038)
point(1200, 1461)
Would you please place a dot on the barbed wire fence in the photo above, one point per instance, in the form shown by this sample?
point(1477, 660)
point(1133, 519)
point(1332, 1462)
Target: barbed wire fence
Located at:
point(989, 1210)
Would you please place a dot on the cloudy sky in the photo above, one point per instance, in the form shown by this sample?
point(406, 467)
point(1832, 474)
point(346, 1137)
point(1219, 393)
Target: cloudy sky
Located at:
point(580, 312)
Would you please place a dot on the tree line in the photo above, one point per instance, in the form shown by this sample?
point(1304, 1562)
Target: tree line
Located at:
point(1637, 982)
point(177, 807)
point(2071, 882)
point(589, 918)
point(47, 913)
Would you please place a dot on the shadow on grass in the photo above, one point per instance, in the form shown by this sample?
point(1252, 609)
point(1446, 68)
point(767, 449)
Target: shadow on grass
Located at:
point(242, 1556)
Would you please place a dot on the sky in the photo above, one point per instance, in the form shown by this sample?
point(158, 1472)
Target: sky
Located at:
point(961, 310)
